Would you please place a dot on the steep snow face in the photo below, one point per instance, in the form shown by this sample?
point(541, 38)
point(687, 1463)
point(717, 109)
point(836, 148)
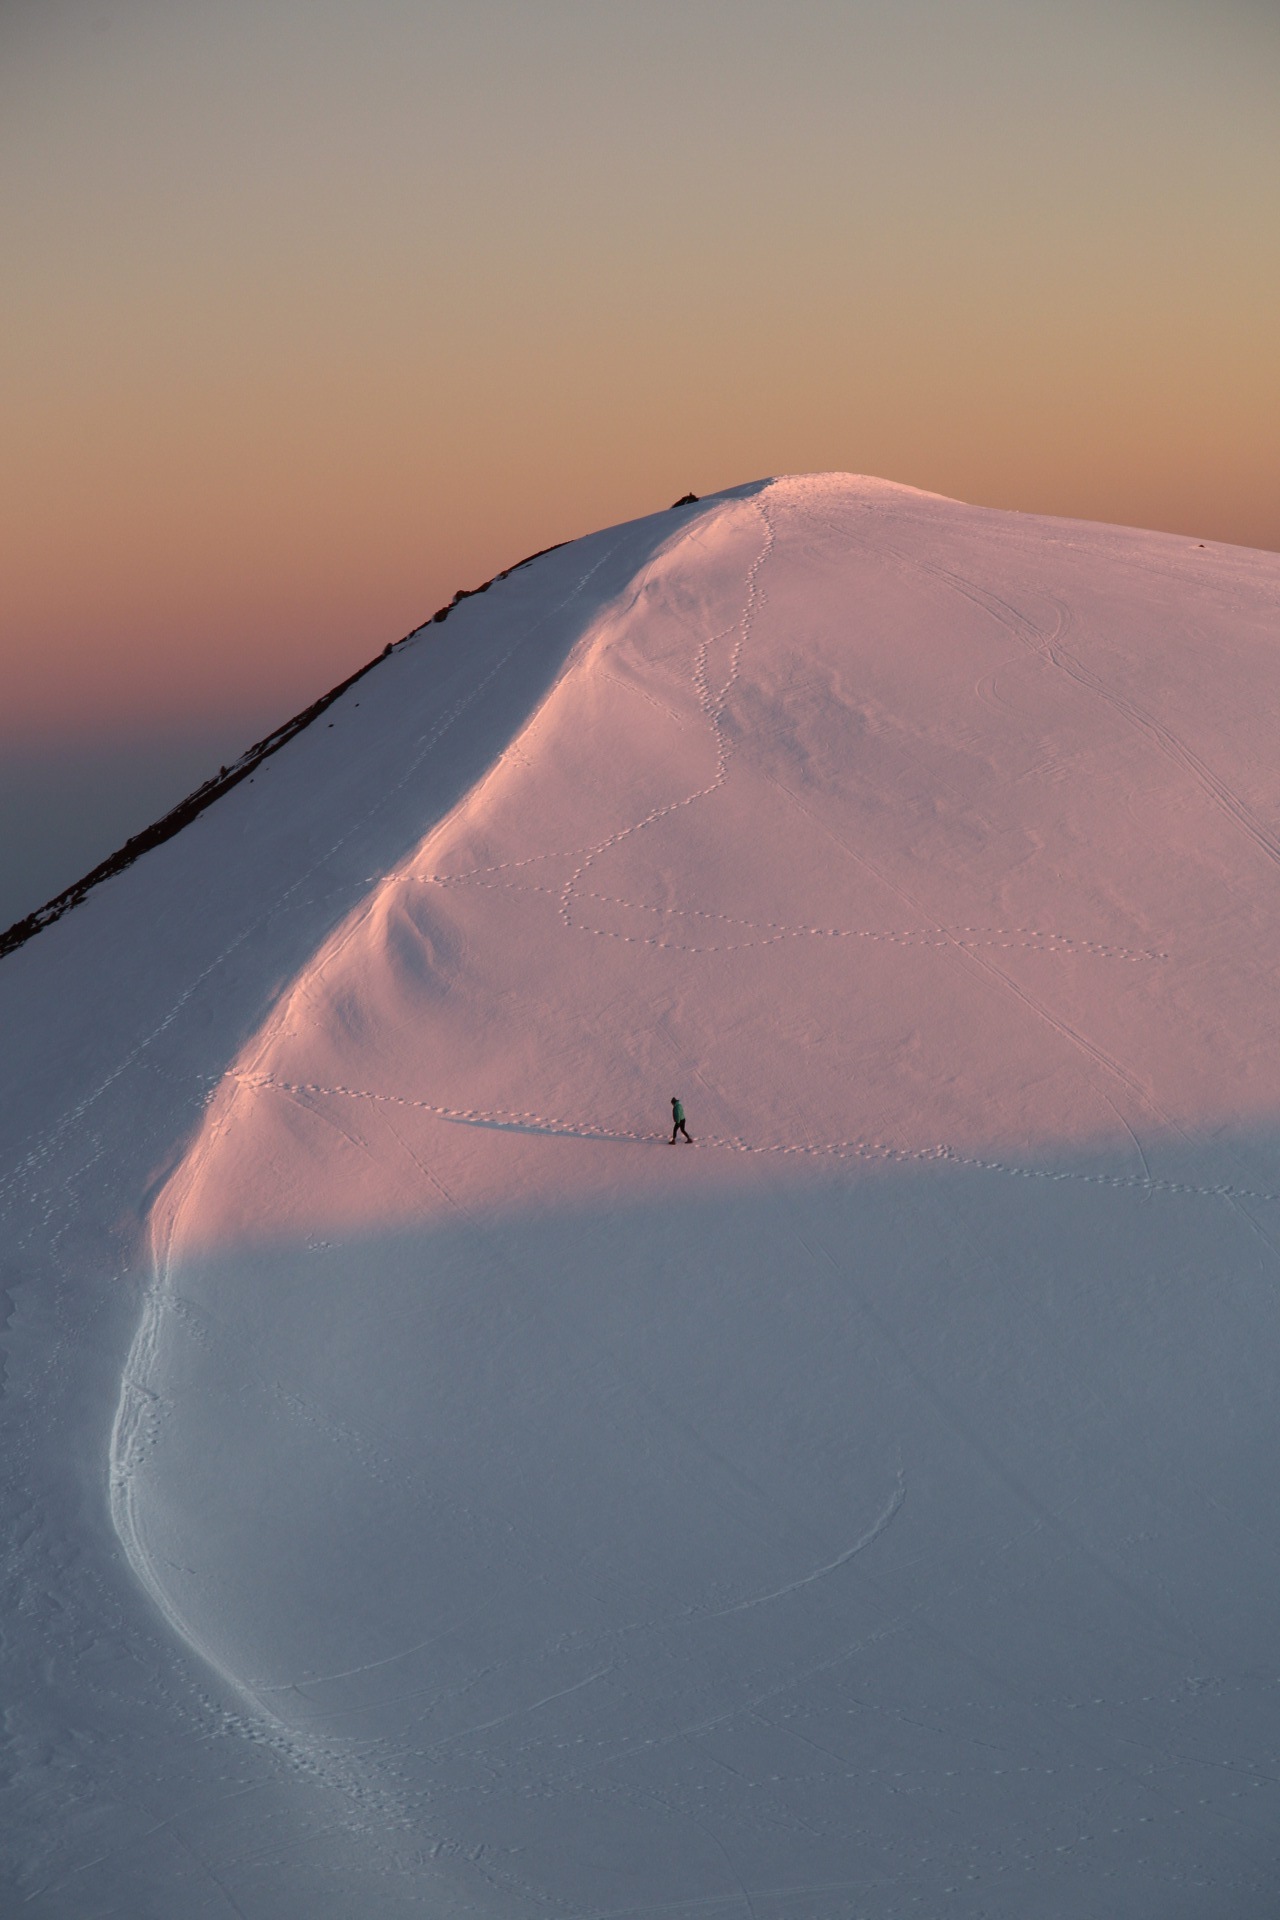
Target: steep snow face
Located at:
point(129, 1783)
point(870, 1509)
point(867, 856)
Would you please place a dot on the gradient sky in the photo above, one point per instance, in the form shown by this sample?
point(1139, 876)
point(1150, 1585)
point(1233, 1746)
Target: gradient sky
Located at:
point(314, 311)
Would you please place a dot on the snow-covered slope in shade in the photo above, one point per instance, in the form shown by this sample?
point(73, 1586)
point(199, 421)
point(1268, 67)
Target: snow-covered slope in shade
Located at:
point(866, 1511)
point(129, 1786)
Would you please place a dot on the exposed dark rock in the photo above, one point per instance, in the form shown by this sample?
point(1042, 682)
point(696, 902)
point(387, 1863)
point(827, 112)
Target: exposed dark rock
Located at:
point(227, 777)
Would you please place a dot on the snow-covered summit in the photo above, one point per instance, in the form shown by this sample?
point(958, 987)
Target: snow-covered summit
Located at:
point(867, 1511)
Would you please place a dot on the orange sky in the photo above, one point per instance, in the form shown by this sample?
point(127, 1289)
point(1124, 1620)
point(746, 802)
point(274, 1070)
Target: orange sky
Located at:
point(316, 312)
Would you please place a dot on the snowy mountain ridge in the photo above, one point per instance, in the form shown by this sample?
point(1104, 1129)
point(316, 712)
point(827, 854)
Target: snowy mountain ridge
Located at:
point(866, 1512)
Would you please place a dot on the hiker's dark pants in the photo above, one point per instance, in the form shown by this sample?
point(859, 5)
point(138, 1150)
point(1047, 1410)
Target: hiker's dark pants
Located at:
point(680, 1127)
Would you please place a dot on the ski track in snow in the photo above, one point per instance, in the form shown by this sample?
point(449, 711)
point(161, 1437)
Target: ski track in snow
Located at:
point(713, 705)
point(875, 1152)
point(1025, 939)
point(860, 1545)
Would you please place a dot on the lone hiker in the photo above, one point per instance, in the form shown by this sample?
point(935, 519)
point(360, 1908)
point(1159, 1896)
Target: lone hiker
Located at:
point(677, 1121)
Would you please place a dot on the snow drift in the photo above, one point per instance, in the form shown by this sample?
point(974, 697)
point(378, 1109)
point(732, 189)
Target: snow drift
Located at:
point(869, 1510)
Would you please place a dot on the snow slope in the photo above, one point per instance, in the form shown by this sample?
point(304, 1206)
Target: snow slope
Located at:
point(867, 1512)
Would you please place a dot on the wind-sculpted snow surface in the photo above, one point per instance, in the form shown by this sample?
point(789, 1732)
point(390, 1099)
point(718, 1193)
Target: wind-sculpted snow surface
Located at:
point(864, 1511)
point(868, 1511)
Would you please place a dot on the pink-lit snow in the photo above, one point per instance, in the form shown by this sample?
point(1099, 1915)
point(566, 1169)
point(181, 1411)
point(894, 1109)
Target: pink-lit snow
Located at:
point(432, 1492)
